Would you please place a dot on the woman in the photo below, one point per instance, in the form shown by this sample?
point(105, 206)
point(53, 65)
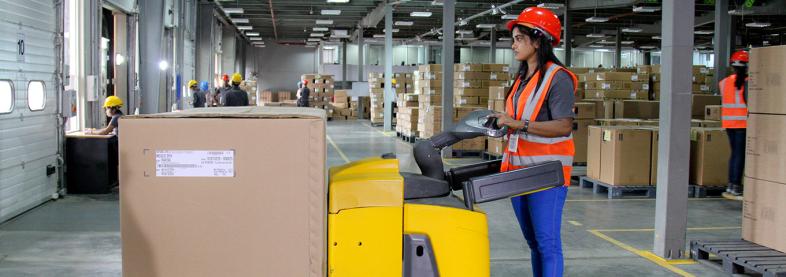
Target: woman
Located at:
point(734, 116)
point(539, 111)
point(112, 106)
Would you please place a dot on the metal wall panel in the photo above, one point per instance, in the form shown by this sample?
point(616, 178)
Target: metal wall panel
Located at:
point(28, 139)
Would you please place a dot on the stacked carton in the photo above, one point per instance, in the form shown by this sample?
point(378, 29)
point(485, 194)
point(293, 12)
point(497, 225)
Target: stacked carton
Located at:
point(614, 85)
point(476, 144)
point(354, 107)
point(340, 105)
point(471, 83)
point(250, 87)
point(429, 90)
point(267, 97)
point(702, 79)
point(585, 116)
point(764, 209)
point(407, 115)
point(376, 83)
point(620, 155)
point(322, 88)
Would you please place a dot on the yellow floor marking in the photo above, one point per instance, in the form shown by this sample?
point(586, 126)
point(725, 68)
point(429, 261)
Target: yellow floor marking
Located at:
point(387, 134)
point(574, 223)
point(652, 256)
point(340, 153)
point(641, 253)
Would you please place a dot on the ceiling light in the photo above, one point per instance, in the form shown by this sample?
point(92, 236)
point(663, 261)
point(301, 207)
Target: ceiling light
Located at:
point(329, 47)
point(239, 20)
point(324, 22)
point(420, 14)
point(404, 23)
point(741, 12)
point(766, 42)
point(252, 34)
point(314, 39)
point(647, 47)
point(464, 32)
point(163, 65)
point(656, 37)
point(255, 38)
point(338, 1)
point(437, 3)
point(244, 27)
point(603, 50)
point(627, 42)
point(233, 10)
point(486, 26)
point(596, 46)
point(504, 39)
point(596, 35)
point(257, 42)
point(510, 17)
point(631, 30)
point(597, 19)
point(775, 35)
point(606, 42)
point(645, 9)
point(318, 35)
point(331, 12)
point(119, 59)
point(379, 36)
point(394, 30)
point(320, 29)
point(261, 45)
point(758, 24)
point(703, 32)
point(553, 6)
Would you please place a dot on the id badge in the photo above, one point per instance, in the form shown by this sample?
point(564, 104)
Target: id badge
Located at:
point(513, 142)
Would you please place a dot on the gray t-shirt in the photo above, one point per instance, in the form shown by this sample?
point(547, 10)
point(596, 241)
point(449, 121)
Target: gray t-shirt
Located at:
point(114, 122)
point(560, 100)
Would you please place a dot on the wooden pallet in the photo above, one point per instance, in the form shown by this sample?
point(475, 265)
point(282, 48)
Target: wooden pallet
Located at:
point(737, 256)
point(490, 157)
point(705, 191)
point(615, 192)
point(467, 153)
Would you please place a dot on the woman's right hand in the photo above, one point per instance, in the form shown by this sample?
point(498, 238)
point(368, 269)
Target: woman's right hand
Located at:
point(503, 119)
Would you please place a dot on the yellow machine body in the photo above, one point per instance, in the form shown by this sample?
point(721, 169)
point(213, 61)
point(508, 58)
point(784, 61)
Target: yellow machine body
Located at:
point(367, 221)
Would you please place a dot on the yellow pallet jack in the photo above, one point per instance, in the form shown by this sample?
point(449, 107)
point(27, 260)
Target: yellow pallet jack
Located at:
point(382, 222)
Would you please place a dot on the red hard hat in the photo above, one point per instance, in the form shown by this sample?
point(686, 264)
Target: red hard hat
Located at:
point(305, 82)
point(739, 57)
point(540, 19)
point(225, 78)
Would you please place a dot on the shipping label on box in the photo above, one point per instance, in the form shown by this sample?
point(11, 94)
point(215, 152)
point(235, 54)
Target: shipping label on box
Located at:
point(500, 76)
point(612, 76)
point(195, 163)
point(468, 83)
point(467, 68)
point(471, 92)
point(496, 68)
point(472, 75)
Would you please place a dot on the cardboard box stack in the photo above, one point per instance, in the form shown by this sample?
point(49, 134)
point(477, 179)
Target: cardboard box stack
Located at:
point(170, 187)
point(471, 83)
point(614, 85)
point(429, 90)
point(250, 87)
point(407, 115)
point(585, 116)
point(709, 156)
point(764, 208)
point(619, 155)
point(354, 112)
point(702, 80)
point(267, 97)
point(322, 88)
point(496, 102)
point(376, 83)
point(340, 105)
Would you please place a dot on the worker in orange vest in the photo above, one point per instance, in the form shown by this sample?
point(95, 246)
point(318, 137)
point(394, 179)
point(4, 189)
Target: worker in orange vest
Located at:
point(734, 116)
point(539, 111)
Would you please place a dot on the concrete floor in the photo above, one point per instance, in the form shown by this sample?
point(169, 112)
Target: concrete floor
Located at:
point(79, 235)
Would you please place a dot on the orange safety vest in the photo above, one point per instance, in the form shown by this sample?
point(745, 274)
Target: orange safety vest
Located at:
point(734, 111)
point(534, 149)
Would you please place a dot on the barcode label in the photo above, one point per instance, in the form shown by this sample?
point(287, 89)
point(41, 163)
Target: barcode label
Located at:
point(188, 163)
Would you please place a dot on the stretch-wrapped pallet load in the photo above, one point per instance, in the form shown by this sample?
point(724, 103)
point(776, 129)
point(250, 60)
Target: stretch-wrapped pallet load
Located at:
point(376, 83)
point(340, 105)
point(429, 90)
point(322, 88)
point(407, 115)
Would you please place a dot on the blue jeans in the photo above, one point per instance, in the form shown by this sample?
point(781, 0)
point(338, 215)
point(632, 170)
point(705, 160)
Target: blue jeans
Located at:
point(737, 159)
point(540, 218)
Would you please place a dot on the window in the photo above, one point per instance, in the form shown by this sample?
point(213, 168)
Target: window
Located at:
point(36, 95)
point(6, 96)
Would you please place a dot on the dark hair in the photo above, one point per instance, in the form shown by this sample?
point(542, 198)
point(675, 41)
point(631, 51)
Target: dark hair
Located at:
point(114, 109)
point(742, 73)
point(544, 52)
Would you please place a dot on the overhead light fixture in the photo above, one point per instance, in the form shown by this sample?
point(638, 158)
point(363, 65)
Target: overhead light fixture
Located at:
point(553, 6)
point(596, 46)
point(740, 12)
point(607, 42)
point(703, 32)
point(338, 1)
point(603, 50)
point(324, 22)
point(320, 29)
point(596, 19)
point(239, 20)
point(775, 34)
point(596, 35)
point(486, 26)
point(331, 12)
point(758, 24)
point(318, 35)
point(627, 42)
point(647, 47)
point(645, 9)
point(163, 65)
point(314, 39)
point(252, 34)
point(244, 28)
point(261, 45)
point(404, 23)
point(394, 30)
point(437, 3)
point(420, 14)
point(504, 39)
point(656, 37)
point(464, 32)
point(510, 17)
point(329, 47)
point(632, 30)
point(119, 59)
point(255, 38)
point(766, 42)
point(379, 36)
point(232, 10)
point(462, 22)
point(257, 42)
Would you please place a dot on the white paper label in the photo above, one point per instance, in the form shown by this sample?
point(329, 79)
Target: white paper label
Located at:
point(187, 163)
point(513, 143)
point(493, 76)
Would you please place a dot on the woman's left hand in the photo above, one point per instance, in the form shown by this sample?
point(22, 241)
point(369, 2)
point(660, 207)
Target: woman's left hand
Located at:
point(504, 119)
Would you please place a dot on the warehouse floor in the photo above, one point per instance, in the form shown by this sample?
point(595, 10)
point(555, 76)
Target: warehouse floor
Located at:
point(79, 235)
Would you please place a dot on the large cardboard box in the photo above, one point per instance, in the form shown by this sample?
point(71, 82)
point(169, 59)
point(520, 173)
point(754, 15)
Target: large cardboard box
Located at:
point(764, 213)
point(603, 108)
point(496, 146)
point(594, 137)
point(580, 139)
point(498, 93)
point(611, 76)
point(472, 75)
point(767, 81)
point(585, 110)
point(242, 200)
point(712, 112)
point(465, 67)
point(625, 156)
point(700, 103)
point(766, 148)
point(654, 157)
point(643, 109)
point(484, 92)
point(709, 157)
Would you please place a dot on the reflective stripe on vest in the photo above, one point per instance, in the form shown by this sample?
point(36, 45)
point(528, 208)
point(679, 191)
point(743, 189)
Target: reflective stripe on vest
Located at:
point(734, 110)
point(523, 161)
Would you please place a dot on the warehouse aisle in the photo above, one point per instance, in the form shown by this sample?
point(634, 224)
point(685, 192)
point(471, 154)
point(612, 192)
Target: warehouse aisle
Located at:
point(79, 235)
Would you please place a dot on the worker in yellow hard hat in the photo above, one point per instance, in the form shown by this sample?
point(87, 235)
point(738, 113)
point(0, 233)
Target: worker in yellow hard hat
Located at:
point(112, 106)
point(235, 96)
point(198, 97)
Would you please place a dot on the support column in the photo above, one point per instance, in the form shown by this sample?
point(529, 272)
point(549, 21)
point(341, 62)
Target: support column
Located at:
point(361, 60)
point(448, 35)
point(618, 52)
point(675, 114)
point(722, 39)
point(151, 24)
point(493, 45)
point(390, 93)
point(427, 55)
point(344, 61)
point(568, 35)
